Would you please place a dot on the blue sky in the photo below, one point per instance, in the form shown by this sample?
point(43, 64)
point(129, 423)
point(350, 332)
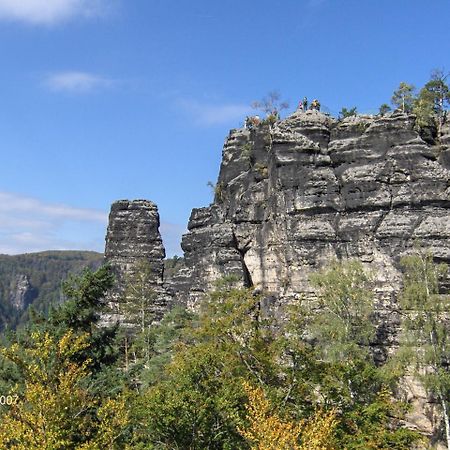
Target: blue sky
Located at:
point(109, 99)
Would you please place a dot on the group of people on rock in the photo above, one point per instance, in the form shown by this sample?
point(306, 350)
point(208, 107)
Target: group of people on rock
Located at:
point(303, 105)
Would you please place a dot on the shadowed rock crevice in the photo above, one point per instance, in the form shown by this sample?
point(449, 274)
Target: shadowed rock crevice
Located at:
point(247, 278)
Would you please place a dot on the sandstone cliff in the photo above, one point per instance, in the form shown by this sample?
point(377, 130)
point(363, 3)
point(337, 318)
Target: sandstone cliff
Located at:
point(291, 197)
point(294, 195)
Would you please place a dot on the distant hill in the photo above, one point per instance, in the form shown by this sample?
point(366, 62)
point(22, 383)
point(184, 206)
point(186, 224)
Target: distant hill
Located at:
point(35, 279)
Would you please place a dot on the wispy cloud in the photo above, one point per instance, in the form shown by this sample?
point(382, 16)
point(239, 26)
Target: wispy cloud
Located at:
point(213, 114)
point(28, 224)
point(49, 12)
point(15, 203)
point(76, 82)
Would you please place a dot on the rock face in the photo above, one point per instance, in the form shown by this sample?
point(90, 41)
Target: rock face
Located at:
point(296, 194)
point(291, 198)
point(22, 293)
point(133, 237)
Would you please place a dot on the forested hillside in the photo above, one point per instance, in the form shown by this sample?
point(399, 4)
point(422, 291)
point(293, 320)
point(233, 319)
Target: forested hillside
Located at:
point(226, 376)
point(35, 279)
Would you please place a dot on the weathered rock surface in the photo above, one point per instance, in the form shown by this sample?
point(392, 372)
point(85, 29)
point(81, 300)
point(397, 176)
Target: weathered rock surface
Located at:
point(311, 189)
point(133, 237)
point(292, 197)
point(22, 293)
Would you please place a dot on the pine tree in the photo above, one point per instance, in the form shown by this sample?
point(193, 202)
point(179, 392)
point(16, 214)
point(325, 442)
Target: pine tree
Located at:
point(403, 97)
point(434, 98)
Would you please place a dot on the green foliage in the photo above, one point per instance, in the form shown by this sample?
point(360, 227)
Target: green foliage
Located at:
point(45, 272)
point(426, 336)
point(173, 265)
point(81, 312)
point(348, 112)
point(262, 169)
point(403, 97)
point(431, 103)
point(436, 92)
point(344, 326)
point(226, 377)
point(384, 109)
point(55, 410)
point(219, 191)
point(247, 149)
point(200, 400)
point(138, 297)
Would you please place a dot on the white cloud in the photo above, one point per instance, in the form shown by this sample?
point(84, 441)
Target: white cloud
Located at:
point(48, 12)
point(28, 224)
point(207, 114)
point(14, 203)
point(76, 82)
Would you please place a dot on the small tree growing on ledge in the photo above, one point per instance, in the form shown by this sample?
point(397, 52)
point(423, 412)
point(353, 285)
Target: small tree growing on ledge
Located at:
point(347, 112)
point(403, 97)
point(434, 98)
point(384, 109)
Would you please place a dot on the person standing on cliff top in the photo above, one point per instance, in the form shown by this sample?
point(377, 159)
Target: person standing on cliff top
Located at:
point(315, 105)
point(300, 106)
point(305, 103)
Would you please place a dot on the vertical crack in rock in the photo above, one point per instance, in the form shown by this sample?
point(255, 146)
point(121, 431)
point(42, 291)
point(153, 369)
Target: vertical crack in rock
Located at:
point(247, 278)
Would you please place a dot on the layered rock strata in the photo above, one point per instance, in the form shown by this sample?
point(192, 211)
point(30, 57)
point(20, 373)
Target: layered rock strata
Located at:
point(293, 196)
point(132, 239)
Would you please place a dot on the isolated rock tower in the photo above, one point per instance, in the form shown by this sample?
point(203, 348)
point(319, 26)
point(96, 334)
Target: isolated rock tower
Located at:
point(132, 237)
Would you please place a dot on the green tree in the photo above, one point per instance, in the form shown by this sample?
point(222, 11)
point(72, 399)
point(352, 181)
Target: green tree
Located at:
point(426, 327)
point(433, 99)
point(341, 328)
point(137, 310)
point(198, 401)
point(139, 296)
point(81, 312)
point(344, 326)
point(384, 109)
point(403, 97)
point(55, 410)
point(348, 112)
point(165, 337)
